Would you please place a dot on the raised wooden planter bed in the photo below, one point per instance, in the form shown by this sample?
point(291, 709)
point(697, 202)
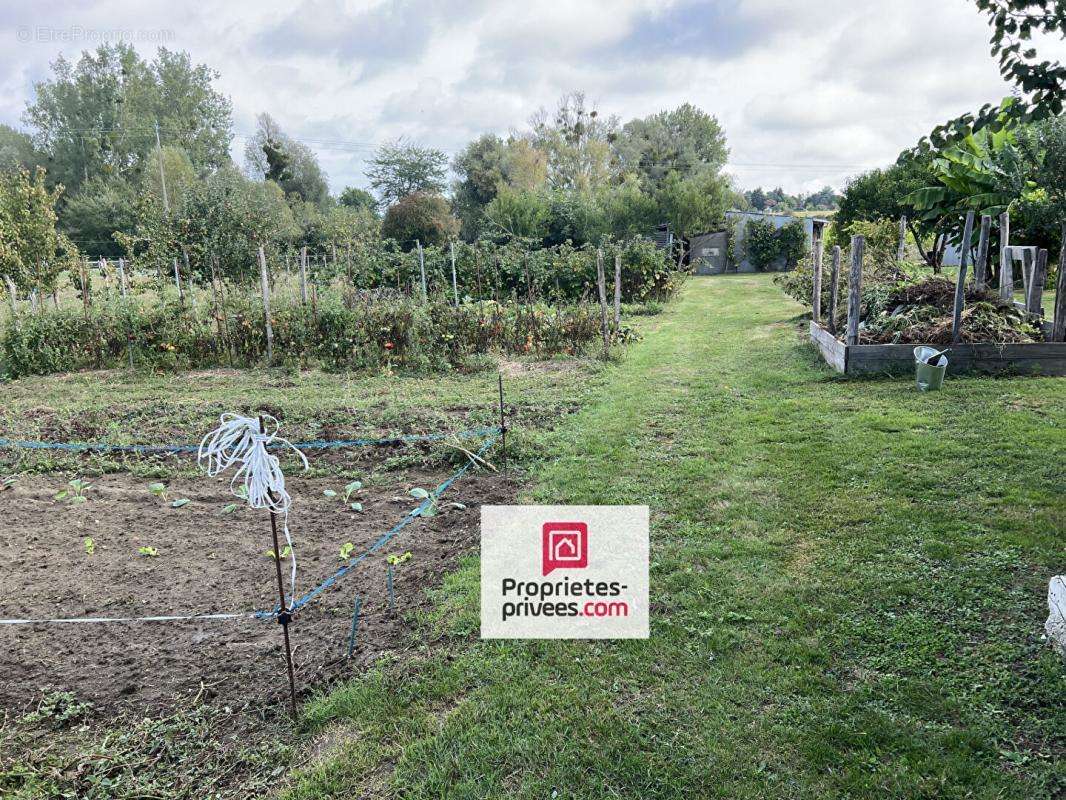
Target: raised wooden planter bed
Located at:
point(1037, 358)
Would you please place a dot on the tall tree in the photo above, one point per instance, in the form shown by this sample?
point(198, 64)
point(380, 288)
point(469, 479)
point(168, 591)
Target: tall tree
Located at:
point(577, 142)
point(17, 150)
point(687, 141)
point(98, 116)
point(400, 168)
point(273, 155)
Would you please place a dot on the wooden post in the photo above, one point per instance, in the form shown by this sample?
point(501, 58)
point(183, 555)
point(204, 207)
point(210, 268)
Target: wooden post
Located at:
point(834, 289)
point(188, 273)
point(601, 283)
point(422, 269)
point(1027, 270)
point(177, 282)
point(12, 296)
point(901, 248)
point(1036, 283)
point(455, 285)
point(264, 284)
point(960, 282)
point(1006, 268)
point(980, 266)
point(1058, 327)
point(83, 274)
point(122, 277)
point(816, 293)
point(858, 247)
point(618, 291)
point(303, 275)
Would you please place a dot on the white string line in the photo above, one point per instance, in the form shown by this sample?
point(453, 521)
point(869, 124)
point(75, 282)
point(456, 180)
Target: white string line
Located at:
point(238, 440)
point(172, 618)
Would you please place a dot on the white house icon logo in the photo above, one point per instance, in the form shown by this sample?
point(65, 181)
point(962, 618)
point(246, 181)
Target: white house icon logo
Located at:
point(564, 545)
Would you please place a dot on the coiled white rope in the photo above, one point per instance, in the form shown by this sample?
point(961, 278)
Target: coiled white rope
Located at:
point(259, 479)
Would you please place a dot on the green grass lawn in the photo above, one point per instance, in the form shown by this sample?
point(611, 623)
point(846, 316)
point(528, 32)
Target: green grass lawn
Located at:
point(848, 593)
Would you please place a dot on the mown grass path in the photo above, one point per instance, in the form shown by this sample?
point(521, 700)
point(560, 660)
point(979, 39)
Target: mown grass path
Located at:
point(848, 591)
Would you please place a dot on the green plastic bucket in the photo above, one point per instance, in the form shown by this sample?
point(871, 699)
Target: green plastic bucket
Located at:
point(929, 377)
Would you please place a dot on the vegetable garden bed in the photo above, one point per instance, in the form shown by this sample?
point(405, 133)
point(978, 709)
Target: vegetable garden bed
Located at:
point(1037, 358)
point(149, 558)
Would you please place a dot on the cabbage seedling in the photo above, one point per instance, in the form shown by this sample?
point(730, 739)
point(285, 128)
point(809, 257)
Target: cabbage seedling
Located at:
point(351, 489)
point(159, 490)
point(90, 546)
point(346, 551)
point(148, 552)
point(75, 491)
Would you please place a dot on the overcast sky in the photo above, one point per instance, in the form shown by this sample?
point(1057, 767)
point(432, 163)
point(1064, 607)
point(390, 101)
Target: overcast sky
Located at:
point(808, 91)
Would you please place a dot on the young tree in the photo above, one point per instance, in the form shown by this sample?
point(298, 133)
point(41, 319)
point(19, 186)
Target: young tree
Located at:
point(399, 169)
point(354, 197)
point(31, 249)
point(422, 216)
point(273, 155)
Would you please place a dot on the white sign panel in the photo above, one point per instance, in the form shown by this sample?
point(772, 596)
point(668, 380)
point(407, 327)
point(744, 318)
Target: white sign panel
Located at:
point(564, 572)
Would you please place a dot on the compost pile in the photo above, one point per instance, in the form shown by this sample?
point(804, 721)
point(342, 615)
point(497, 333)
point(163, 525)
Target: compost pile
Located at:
point(919, 312)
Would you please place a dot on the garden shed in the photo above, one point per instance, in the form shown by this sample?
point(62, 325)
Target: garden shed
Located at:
point(715, 252)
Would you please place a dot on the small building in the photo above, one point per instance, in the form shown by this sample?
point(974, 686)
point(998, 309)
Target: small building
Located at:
point(715, 252)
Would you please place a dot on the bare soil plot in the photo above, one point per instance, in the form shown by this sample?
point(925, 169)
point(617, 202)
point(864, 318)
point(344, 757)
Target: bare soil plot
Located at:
point(206, 562)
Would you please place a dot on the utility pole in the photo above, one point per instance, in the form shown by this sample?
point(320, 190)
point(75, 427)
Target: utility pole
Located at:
point(162, 172)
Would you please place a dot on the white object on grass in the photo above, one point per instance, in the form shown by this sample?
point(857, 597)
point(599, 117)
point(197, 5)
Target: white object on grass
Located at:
point(238, 441)
point(1056, 621)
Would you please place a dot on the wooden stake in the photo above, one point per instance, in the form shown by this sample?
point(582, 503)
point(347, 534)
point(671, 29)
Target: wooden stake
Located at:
point(1036, 283)
point(816, 292)
point(503, 426)
point(264, 283)
point(1058, 327)
point(601, 284)
point(960, 282)
point(858, 246)
point(1006, 267)
point(834, 289)
point(303, 275)
point(455, 285)
point(618, 291)
point(12, 296)
point(422, 269)
point(980, 266)
point(84, 287)
point(177, 282)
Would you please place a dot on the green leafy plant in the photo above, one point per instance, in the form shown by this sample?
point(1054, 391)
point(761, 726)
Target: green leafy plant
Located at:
point(357, 507)
point(286, 551)
point(148, 552)
point(58, 710)
point(8, 482)
point(395, 559)
point(346, 551)
point(75, 492)
point(329, 493)
point(421, 494)
point(159, 490)
point(90, 546)
point(182, 501)
point(351, 489)
point(230, 508)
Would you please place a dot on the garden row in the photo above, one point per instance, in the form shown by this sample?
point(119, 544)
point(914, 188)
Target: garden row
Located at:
point(357, 331)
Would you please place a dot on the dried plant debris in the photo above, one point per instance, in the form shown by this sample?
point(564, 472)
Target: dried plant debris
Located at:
point(920, 311)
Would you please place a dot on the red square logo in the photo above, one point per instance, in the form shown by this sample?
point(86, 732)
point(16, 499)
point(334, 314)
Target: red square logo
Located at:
point(564, 546)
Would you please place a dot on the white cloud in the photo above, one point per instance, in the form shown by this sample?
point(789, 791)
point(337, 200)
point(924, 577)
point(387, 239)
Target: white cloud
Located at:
point(808, 92)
